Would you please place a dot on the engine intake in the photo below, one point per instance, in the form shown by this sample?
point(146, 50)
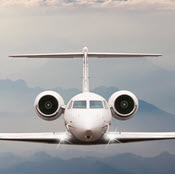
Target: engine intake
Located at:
point(48, 105)
point(124, 105)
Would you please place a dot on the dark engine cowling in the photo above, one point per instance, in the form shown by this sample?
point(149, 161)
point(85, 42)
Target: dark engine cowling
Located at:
point(124, 105)
point(48, 105)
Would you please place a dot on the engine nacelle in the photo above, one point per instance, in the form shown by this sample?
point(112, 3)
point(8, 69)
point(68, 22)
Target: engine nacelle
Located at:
point(124, 105)
point(48, 105)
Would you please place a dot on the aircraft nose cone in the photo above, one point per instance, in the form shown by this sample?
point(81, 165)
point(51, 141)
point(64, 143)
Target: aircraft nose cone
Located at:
point(88, 134)
point(89, 128)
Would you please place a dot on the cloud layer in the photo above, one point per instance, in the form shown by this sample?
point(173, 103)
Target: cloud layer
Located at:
point(131, 4)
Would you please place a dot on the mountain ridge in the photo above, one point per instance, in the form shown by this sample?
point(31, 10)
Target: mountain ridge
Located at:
point(44, 163)
point(18, 93)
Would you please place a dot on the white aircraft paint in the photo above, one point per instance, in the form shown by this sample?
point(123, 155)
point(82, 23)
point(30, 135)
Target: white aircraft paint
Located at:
point(85, 123)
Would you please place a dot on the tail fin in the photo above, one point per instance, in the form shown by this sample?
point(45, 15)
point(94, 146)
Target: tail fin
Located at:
point(85, 56)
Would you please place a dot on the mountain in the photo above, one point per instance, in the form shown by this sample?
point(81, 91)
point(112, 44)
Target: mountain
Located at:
point(148, 118)
point(16, 107)
point(19, 98)
point(163, 163)
point(119, 163)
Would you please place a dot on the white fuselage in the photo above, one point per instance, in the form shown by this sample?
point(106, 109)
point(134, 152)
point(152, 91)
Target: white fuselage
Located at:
point(87, 123)
point(87, 115)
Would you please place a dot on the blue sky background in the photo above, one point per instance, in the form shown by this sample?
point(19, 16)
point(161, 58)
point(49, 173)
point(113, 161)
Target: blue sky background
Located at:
point(61, 26)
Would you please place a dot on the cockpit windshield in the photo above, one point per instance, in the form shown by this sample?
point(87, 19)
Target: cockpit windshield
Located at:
point(96, 104)
point(79, 104)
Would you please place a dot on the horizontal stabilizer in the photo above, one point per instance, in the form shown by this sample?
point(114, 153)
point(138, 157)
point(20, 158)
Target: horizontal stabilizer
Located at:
point(118, 55)
point(80, 55)
point(49, 55)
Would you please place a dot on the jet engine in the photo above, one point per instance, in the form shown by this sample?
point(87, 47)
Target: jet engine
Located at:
point(48, 105)
point(124, 105)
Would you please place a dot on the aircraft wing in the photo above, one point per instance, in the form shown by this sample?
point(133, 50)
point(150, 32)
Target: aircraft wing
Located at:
point(126, 137)
point(66, 138)
point(80, 55)
point(52, 137)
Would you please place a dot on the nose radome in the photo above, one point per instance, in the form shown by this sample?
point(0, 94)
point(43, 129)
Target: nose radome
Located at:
point(88, 132)
point(88, 128)
point(88, 135)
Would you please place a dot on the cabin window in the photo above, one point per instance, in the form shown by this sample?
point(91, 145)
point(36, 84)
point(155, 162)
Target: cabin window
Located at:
point(79, 104)
point(96, 104)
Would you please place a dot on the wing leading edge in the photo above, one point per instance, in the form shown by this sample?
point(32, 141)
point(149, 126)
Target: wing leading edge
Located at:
point(67, 138)
point(126, 137)
point(52, 137)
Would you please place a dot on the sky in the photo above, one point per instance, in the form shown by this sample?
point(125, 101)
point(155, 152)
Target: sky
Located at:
point(51, 26)
point(110, 26)
point(133, 4)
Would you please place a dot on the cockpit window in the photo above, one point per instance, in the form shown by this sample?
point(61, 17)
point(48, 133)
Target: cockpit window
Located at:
point(96, 104)
point(70, 105)
point(105, 104)
point(79, 104)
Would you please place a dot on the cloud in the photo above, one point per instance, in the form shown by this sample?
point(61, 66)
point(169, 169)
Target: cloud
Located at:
point(128, 4)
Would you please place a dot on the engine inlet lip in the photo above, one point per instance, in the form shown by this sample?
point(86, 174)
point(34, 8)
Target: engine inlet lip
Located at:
point(46, 115)
point(48, 104)
point(125, 115)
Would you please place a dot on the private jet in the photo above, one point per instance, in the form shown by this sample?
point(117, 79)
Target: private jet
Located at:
point(87, 116)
